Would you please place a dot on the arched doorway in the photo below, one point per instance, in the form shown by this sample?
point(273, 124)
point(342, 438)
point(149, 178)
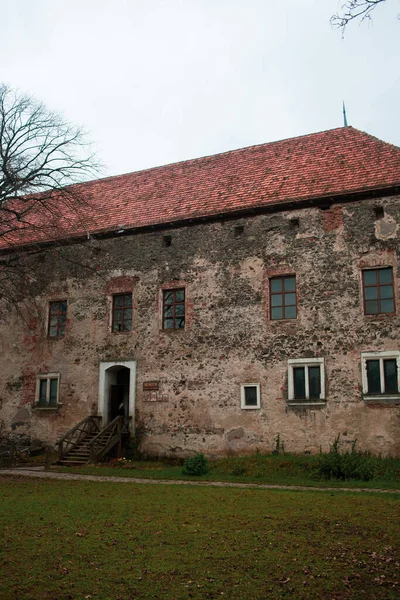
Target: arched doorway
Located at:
point(117, 386)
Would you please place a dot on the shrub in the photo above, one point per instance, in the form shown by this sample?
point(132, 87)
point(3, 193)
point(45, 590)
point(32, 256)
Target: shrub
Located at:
point(198, 465)
point(345, 465)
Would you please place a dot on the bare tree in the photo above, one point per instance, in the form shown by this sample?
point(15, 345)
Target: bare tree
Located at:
point(352, 10)
point(41, 158)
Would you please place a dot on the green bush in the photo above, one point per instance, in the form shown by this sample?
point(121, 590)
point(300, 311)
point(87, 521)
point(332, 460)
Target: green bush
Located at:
point(198, 465)
point(345, 465)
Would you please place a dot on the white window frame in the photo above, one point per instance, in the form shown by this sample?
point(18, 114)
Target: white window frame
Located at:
point(47, 377)
point(306, 362)
point(381, 356)
point(243, 404)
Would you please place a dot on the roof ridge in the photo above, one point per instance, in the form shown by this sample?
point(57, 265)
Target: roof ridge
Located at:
point(224, 153)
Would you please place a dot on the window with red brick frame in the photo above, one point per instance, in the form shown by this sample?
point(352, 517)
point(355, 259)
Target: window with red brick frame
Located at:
point(174, 309)
point(57, 318)
point(122, 313)
point(282, 297)
point(378, 291)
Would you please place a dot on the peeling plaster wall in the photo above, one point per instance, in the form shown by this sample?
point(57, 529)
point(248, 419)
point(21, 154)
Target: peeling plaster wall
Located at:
point(228, 339)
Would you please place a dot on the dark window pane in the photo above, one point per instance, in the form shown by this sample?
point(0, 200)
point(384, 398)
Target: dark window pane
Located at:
point(290, 299)
point(276, 300)
point(128, 301)
point(168, 311)
point(371, 293)
point(385, 276)
point(290, 284)
point(180, 323)
point(53, 321)
point(168, 323)
point(276, 285)
point(314, 382)
point(386, 291)
point(117, 320)
point(387, 306)
point(53, 332)
point(290, 312)
point(373, 377)
point(63, 307)
point(276, 313)
point(250, 396)
point(54, 308)
point(180, 296)
point(371, 307)
point(299, 383)
point(370, 277)
point(53, 391)
point(43, 391)
point(127, 319)
point(390, 371)
point(168, 297)
point(118, 301)
point(180, 310)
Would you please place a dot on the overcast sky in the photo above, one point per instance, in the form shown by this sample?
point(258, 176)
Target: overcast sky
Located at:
point(159, 81)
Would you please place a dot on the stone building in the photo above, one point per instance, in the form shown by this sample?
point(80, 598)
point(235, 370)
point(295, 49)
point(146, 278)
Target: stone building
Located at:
point(230, 300)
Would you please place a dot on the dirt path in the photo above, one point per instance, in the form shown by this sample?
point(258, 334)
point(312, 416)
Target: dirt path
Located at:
point(40, 473)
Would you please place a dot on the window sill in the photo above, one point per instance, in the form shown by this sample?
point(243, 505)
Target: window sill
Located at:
point(306, 403)
point(121, 332)
point(389, 400)
point(380, 316)
point(40, 408)
point(250, 407)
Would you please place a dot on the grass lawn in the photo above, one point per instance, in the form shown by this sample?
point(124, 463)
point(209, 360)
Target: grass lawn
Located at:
point(70, 540)
point(282, 469)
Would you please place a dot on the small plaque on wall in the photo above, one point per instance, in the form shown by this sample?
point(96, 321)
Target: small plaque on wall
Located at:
point(151, 386)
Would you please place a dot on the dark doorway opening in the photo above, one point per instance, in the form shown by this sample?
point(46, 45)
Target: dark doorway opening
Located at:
point(119, 395)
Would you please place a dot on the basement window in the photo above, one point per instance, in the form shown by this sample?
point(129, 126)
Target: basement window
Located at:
point(250, 395)
point(380, 375)
point(306, 381)
point(239, 230)
point(379, 212)
point(167, 240)
point(47, 390)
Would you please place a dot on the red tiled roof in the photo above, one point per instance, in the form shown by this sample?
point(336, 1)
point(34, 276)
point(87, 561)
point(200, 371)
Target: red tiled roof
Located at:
point(330, 163)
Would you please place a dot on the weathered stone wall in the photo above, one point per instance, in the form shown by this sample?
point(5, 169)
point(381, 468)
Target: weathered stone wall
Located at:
point(228, 339)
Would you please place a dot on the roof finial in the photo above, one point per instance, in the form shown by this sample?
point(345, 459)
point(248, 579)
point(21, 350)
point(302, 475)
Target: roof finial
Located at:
point(344, 116)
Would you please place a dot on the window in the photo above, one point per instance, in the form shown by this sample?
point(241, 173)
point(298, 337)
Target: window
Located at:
point(283, 297)
point(380, 373)
point(174, 309)
point(47, 390)
point(306, 378)
point(378, 291)
point(57, 318)
point(250, 395)
point(122, 313)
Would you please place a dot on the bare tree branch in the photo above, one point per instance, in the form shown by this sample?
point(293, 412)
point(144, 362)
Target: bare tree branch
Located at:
point(353, 10)
point(41, 159)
